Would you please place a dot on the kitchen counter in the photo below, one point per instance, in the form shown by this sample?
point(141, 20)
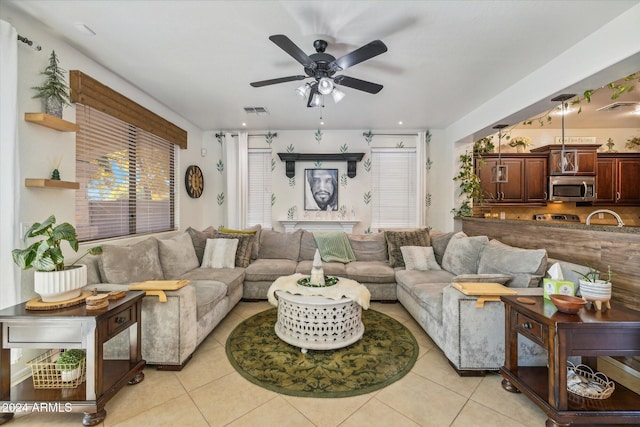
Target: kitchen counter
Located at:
point(557, 224)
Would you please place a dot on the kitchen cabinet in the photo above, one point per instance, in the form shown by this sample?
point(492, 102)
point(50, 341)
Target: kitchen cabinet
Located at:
point(586, 158)
point(617, 179)
point(527, 179)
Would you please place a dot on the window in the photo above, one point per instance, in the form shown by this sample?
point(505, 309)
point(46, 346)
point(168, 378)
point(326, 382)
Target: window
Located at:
point(259, 197)
point(393, 175)
point(126, 177)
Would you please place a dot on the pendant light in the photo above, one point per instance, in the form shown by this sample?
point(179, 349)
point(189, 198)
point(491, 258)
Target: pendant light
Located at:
point(499, 172)
point(568, 162)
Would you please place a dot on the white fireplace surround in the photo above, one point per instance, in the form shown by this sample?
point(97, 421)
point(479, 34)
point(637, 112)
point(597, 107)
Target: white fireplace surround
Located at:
point(319, 225)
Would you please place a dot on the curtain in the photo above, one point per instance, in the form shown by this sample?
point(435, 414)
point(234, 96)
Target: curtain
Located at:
point(422, 171)
point(9, 170)
point(236, 155)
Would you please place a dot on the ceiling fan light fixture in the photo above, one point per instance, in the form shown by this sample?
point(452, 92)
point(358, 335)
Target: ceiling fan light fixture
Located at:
point(337, 95)
point(316, 101)
point(303, 90)
point(325, 86)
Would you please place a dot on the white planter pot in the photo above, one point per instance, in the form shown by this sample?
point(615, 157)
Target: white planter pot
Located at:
point(54, 286)
point(70, 375)
point(600, 290)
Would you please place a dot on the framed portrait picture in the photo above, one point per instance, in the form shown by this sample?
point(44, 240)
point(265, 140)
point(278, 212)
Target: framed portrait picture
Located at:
point(320, 189)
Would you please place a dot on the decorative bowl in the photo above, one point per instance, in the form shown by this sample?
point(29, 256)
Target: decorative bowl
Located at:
point(567, 304)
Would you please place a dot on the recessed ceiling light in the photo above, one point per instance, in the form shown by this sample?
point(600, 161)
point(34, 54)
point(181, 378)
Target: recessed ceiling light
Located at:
point(400, 122)
point(84, 29)
point(322, 123)
point(244, 124)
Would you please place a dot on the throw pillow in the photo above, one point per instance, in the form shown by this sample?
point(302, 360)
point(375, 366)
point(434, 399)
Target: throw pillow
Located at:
point(527, 266)
point(255, 230)
point(398, 239)
point(439, 241)
point(462, 253)
point(177, 256)
point(245, 244)
point(419, 258)
point(132, 263)
point(369, 247)
point(199, 239)
point(220, 253)
point(503, 279)
point(277, 245)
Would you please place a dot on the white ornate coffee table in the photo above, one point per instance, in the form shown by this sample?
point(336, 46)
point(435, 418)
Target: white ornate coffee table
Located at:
point(318, 323)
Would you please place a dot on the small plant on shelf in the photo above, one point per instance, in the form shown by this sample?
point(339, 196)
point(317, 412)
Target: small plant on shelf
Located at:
point(55, 90)
point(68, 364)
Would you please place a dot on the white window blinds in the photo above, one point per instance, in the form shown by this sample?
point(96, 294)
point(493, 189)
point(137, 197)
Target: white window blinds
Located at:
point(259, 197)
point(393, 175)
point(126, 177)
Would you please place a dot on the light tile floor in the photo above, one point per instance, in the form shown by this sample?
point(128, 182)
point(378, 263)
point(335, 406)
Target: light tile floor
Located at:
point(209, 392)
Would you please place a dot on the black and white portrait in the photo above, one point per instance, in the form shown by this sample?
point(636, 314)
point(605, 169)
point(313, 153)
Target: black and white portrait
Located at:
point(321, 189)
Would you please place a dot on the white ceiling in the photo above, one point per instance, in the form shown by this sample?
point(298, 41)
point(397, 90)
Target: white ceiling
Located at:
point(445, 58)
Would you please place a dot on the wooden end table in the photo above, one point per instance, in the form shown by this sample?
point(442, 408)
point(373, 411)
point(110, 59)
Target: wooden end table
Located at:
point(589, 334)
point(73, 327)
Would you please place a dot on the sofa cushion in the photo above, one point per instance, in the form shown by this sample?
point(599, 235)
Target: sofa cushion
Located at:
point(407, 279)
point(429, 296)
point(276, 245)
point(199, 239)
point(231, 277)
point(208, 294)
point(177, 256)
point(370, 272)
point(255, 230)
point(463, 253)
point(245, 245)
point(439, 241)
point(131, 263)
point(503, 279)
point(220, 253)
point(308, 246)
point(269, 269)
point(419, 258)
point(527, 266)
point(369, 247)
point(397, 239)
point(329, 268)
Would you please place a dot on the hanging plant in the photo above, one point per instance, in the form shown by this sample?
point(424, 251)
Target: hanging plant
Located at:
point(55, 90)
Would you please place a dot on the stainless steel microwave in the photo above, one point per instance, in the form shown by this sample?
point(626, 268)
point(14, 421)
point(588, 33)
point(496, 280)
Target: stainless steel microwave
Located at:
point(572, 188)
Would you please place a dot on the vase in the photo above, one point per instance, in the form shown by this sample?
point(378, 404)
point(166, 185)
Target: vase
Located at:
point(71, 374)
point(55, 286)
point(53, 107)
point(597, 292)
point(520, 148)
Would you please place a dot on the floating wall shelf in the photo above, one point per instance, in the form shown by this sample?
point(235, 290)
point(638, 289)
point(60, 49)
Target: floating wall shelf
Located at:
point(51, 183)
point(290, 160)
point(51, 122)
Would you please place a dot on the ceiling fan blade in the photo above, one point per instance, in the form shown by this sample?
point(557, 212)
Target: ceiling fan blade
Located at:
point(276, 81)
point(357, 84)
point(367, 51)
point(292, 49)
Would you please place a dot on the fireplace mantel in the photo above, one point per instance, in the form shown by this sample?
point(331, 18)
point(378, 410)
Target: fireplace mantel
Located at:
point(319, 225)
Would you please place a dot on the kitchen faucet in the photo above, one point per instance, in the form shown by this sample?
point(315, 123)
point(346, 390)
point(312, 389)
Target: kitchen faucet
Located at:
point(617, 217)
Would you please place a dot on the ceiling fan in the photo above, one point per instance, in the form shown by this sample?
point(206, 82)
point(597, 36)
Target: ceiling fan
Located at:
point(322, 66)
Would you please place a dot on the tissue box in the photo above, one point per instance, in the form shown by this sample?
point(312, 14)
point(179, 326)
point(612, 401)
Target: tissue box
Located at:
point(562, 287)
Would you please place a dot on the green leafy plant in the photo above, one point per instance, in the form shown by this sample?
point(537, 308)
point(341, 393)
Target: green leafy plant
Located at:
point(46, 254)
point(633, 142)
point(483, 146)
point(55, 85)
point(70, 359)
point(520, 141)
point(593, 275)
point(470, 186)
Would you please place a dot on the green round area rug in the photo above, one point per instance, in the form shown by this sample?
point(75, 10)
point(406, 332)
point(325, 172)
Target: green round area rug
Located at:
point(386, 353)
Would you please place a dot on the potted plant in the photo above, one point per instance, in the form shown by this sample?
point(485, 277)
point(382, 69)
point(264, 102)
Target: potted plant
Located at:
point(520, 143)
point(53, 280)
point(633, 143)
point(68, 364)
point(55, 90)
point(594, 289)
point(469, 186)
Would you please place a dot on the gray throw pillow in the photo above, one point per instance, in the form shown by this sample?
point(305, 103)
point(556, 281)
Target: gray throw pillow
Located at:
point(439, 241)
point(369, 247)
point(177, 256)
point(131, 264)
point(245, 244)
point(276, 245)
point(463, 253)
point(397, 239)
point(199, 239)
point(527, 266)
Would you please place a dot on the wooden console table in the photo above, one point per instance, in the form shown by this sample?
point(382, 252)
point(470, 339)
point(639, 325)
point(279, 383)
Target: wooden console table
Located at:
point(589, 334)
point(66, 328)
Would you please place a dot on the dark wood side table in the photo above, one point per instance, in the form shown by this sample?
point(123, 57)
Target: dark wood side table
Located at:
point(589, 334)
point(73, 327)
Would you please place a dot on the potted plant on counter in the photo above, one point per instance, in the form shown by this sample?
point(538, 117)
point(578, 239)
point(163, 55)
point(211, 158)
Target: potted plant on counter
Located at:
point(52, 279)
point(594, 289)
point(520, 143)
point(69, 364)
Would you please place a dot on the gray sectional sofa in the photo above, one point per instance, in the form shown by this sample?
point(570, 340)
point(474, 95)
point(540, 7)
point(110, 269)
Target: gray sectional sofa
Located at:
point(472, 338)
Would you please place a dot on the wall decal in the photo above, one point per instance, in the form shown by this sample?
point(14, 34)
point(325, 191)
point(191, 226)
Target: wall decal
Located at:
point(290, 148)
point(367, 197)
point(343, 179)
point(317, 164)
point(318, 136)
point(273, 199)
point(400, 144)
point(269, 138)
point(292, 181)
point(220, 166)
point(368, 136)
point(220, 199)
point(321, 189)
point(273, 164)
point(367, 165)
point(344, 148)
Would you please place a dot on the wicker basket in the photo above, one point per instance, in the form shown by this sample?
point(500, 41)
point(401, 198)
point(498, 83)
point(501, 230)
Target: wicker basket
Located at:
point(581, 380)
point(46, 374)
